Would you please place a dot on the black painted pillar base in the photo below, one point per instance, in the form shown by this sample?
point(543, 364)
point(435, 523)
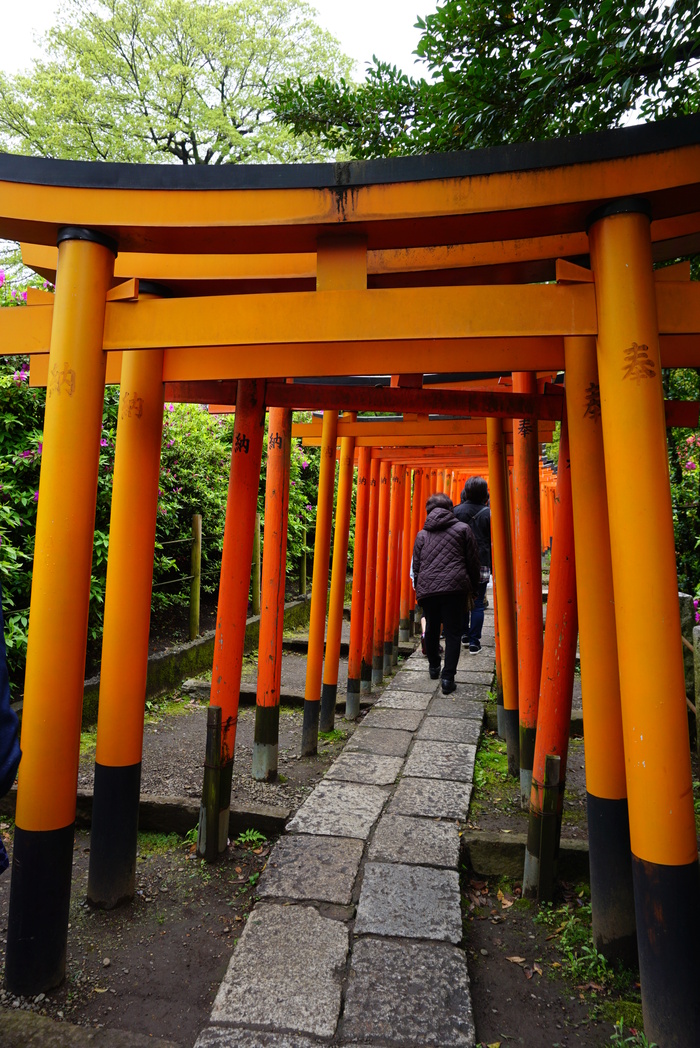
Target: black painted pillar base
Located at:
point(329, 694)
point(309, 728)
point(388, 657)
point(527, 759)
point(266, 742)
point(113, 837)
point(404, 631)
point(667, 904)
point(365, 678)
point(511, 727)
point(352, 699)
point(377, 669)
point(37, 925)
point(612, 893)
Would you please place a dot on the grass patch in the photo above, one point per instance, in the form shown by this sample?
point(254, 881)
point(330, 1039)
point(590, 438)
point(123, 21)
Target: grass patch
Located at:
point(88, 742)
point(336, 735)
point(157, 844)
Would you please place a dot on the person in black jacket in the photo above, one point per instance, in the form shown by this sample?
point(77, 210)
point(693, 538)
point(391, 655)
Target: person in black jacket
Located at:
point(9, 742)
point(446, 574)
point(474, 511)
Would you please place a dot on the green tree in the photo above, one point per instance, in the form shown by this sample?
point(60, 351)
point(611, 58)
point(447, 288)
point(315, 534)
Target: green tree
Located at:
point(177, 80)
point(510, 72)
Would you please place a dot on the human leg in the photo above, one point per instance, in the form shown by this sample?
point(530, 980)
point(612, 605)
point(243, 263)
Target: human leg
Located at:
point(431, 610)
point(476, 620)
point(452, 611)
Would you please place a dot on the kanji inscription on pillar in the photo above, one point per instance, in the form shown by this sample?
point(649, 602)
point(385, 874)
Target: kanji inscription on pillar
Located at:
point(592, 401)
point(638, 364)
point(61, 380)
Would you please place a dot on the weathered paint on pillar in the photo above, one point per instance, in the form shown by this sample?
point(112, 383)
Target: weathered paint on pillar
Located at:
point(610, 860)
point(329, 691)
point(234, 588)
point(370, 581)
point(503, 587)
point(652, 685)
point(528, 579)
point(319, 585)
point(352, 700)
point(556, 682)
point(127, 615)
point(53, 693)
point(382, 571)
point(272, 589)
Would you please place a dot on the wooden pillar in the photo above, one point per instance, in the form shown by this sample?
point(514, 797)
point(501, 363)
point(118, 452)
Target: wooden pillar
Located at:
point(395, 514)
point(528, 579)
point(352, 700)
point(406, 553)
point(127, 615)
point(53, 693)
point(234, 588)
point(272, 591)
point(556, 688)
point(382, 571)
point(319, 585)
point(612, 897)
point(652, 686)
point(329, 691)
point(503, 587)
point(370, 581)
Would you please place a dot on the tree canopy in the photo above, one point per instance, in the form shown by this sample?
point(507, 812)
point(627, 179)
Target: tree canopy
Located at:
point(511, 71)
point(178, 80)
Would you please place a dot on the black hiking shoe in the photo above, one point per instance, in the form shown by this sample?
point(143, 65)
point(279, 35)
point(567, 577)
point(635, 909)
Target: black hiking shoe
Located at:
point(448, 686)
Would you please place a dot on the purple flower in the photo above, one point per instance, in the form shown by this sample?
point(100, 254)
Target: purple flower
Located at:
point(24, 295)
point(36, 496)
point(2, 277)
point(309, 507)
point(104, 443)
point(304, 464)
point(40, 447)
point(293, 483)
point(690, 465)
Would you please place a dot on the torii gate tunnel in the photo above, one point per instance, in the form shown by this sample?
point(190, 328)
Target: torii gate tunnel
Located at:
point(510, 263)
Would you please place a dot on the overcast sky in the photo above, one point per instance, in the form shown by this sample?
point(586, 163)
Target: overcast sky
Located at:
point(363, 27)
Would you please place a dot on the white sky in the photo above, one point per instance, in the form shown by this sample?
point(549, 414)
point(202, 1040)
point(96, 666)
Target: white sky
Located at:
point(363, 27)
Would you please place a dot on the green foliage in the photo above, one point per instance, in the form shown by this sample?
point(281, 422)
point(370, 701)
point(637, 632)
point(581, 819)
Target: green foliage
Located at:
point(636, 1038)
point(251, 838)
point(157, 844)
point(504, 72)
point(491, 763)
point(684, 468)
point(183, 81)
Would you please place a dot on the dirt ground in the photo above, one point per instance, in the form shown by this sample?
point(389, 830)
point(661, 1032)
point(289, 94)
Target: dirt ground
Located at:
point(154, 966)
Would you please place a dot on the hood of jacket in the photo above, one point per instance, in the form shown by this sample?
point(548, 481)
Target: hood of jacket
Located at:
point(438, 519)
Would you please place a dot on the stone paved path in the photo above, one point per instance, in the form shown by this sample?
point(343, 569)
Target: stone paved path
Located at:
point(355, 939)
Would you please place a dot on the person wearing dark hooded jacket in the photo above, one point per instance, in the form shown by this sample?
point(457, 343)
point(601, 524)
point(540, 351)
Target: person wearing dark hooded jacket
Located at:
point(474, 511)
point(446, 573)
point(9, 742)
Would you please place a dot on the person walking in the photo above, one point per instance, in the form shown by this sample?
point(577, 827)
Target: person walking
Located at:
point(446, 572)
point(474, 511)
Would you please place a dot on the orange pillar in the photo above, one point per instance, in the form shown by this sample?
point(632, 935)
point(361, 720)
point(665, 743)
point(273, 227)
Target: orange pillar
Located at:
point(382, 572)
point(352, 701)
point(319, 585)
point(503, 588)
point(399, 564)
point(652, 686)
point(127, 615)
point(42, 858)
point(612, 898)
point(556, 688)
point(329, 691)
point(234, 588)
point(272, 587)
point(528, 579)
point(395, 515)
point(415, 527)
point(406, 551)
point(370, 581)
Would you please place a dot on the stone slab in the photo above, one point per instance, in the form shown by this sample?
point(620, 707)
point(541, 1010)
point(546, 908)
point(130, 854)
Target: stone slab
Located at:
point(412, 902)
point(229, 1037)
point(387, 741)
point(416, 664)
point(467, 676)
point(405, 720)
point(369, 768)
point(421, 842)
point(461, 703)
point(321, 868)
point(431, 798)
point(419, 995)
point(416, 681)
point(394, 698)
point(285, 972)
point(450, 729)
point(441, 760)
point(340, 809)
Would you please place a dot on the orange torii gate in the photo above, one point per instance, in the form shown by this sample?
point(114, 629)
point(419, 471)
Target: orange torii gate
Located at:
point(416, 259)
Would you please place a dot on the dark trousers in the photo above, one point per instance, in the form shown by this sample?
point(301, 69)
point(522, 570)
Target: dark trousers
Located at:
point(448, 609)
point(474, 622)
